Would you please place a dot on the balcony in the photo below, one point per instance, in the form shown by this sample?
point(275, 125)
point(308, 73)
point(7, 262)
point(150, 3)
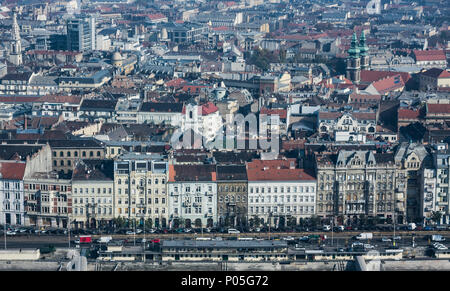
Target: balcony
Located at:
point(356, 201)
point(355, 212)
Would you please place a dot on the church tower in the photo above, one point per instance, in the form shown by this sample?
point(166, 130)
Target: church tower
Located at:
point(15, 55)
point(353, 61)
point(364, 52)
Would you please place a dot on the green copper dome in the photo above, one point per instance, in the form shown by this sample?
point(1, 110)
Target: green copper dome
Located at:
point(354, 49)
point(362, 44)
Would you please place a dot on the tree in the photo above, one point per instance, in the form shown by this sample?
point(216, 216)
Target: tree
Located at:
point(292, 222)
point(262, 58)
point(119, 222)
point(149, 223)
point(256, 221)
point(301, 222)
point(251, 221)
point(363, 220)
point(314, 221)
point(436, 216)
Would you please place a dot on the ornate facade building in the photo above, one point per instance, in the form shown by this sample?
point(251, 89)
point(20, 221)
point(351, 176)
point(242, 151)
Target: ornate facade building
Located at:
point(355, 183)
point(232, 203)
point(409, 159)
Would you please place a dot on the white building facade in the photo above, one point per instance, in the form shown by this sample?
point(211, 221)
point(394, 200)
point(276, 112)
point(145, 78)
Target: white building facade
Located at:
point(192, 197)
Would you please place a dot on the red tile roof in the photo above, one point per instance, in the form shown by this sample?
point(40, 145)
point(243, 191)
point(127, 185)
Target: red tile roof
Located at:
point(361, 98)
point(206, 109)
point(209, 108)
point(408, 114)
point(18, 99)
point(156, 16)
point(60, 99)
point(276, 170)
point(179, 82)
point(221, 28)
point(280, 112)
point(330, 115)
point(438, 108)
point(364, 115)
point(372, 76)
point(12, 170)
point(389, 84)
point(430, 55)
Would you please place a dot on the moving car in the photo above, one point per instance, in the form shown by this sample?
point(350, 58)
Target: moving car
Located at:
point(364, 235)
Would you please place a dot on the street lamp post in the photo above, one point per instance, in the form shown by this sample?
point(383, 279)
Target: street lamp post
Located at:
point(4, 224)
point(332, 230)
point(68, 228)
point(270, 221)
point(4, 227)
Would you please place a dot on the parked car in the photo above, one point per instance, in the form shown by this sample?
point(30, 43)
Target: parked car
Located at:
point(357, 244)
point(437, 237)
point(233, 230)
point(304, 238)
point(368, 246)
point(439, 246)
point(130, 232)
point(386, 239)
point(11, 232)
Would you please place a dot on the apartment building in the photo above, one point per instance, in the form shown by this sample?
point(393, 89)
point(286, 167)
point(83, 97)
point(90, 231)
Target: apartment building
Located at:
point(140, 192)
point(92, 194)
point(11, 192)
point(232, 202)
point(65, 153)
point(192, 195)
point(279, 193)
point(355, 183)
point(409, 159)
point(48, 200)
point(434, 189)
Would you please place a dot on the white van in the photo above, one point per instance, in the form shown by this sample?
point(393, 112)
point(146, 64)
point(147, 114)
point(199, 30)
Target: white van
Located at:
point(233, 230)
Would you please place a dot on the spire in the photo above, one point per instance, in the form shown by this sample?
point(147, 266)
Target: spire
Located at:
point(362, 44)
point(15, 27)
point(15, 55)
point(354, 50)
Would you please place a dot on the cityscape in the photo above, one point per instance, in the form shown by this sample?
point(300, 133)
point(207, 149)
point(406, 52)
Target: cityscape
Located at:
point(207, 135)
